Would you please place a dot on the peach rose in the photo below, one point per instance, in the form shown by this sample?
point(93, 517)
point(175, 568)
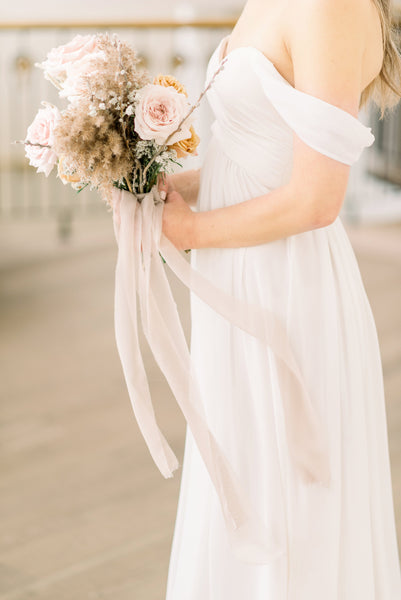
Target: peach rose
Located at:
point(64, 172)
point(61, 58)
point(41, 131)
point(170, 81)
point(158, 113)
point(185, 147)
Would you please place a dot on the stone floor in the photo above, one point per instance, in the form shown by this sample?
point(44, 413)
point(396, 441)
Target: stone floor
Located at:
point(85, 512)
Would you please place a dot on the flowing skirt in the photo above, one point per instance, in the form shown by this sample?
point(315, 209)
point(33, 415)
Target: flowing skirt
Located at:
point(340, 544)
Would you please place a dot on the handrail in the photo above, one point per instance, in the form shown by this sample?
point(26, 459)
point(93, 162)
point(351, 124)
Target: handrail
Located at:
point(166, 24)
point(173, 24)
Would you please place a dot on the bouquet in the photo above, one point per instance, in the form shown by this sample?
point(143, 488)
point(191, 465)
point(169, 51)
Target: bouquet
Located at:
point(121, 128)
point(120, 131)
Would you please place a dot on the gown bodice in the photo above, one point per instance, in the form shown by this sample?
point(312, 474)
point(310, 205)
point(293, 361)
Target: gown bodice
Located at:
point(257, 110)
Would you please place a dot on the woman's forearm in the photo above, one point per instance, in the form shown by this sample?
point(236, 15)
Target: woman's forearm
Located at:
point(272, 216)
point(187, 183)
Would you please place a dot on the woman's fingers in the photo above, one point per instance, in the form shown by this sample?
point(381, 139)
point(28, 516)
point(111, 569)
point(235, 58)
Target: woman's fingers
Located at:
point(163, 185)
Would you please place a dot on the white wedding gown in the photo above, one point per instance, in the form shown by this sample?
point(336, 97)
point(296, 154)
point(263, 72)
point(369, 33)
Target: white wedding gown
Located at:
point(339, 544)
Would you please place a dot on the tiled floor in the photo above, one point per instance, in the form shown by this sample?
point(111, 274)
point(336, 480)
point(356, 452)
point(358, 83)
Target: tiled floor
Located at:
point(85, 512)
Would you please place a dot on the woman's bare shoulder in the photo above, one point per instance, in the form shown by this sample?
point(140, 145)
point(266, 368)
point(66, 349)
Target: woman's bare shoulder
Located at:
point(342, 8)
point(329, 42)
point(345, 20)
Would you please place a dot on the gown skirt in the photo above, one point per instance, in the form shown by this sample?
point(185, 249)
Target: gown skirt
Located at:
point(339, 543)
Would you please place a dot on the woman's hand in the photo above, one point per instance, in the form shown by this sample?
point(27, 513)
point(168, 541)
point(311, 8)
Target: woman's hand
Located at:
point(178, 220)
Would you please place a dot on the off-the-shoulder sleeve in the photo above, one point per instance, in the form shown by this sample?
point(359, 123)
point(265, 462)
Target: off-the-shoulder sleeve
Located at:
point(324, 127)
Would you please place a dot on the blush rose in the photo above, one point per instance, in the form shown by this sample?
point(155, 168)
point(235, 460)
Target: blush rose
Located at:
point(41, 131)
point(158, 113)
point(60, 59)
point(75, 85)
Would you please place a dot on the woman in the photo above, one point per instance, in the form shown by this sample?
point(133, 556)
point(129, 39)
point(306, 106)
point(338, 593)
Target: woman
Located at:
point(267, 230)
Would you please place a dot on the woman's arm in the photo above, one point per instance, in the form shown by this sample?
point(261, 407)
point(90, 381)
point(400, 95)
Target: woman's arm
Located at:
point(311, 199)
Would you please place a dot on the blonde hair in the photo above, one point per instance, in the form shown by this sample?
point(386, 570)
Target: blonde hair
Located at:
point(385, 89)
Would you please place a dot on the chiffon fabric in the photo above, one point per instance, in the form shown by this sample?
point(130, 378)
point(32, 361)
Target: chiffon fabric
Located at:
point(339, 541)
point(137, 222)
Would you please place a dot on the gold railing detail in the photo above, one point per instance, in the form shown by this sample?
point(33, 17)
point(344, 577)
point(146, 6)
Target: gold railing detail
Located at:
point(170, 24)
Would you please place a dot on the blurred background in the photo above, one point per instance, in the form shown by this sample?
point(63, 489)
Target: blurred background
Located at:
point(85, 513)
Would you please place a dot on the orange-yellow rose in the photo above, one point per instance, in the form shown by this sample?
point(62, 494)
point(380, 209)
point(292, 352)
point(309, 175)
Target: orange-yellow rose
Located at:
point(187, 146)
point(64, 176)
point(169, 80)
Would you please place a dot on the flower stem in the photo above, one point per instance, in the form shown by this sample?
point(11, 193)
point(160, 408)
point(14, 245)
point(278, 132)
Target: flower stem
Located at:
point(30, 143)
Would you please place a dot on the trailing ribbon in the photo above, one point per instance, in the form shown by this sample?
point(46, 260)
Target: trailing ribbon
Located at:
point(140, 272)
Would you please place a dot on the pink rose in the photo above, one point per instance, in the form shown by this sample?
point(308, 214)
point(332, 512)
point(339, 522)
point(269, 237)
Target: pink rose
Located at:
point(41, 131)
point(61, 58)
point(75, 84)
point(158, 113)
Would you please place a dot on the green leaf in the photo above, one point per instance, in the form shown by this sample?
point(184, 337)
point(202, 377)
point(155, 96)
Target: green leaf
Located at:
point(82, 188)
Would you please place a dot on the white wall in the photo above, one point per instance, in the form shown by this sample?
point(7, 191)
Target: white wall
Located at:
point(89, 10)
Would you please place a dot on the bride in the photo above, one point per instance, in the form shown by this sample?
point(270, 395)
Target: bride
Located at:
point(267, 230)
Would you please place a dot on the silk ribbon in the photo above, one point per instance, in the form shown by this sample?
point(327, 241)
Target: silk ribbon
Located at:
point(140, 274)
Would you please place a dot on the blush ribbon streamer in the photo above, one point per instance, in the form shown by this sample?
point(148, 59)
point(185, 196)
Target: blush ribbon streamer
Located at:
point(142, 290)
